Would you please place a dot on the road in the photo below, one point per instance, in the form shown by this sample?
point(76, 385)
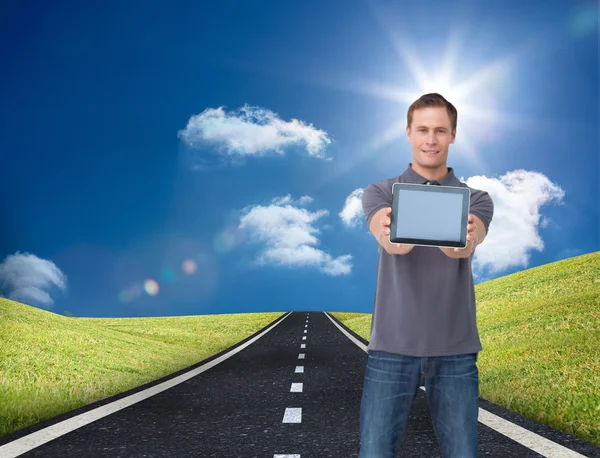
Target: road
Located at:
point(291, 390)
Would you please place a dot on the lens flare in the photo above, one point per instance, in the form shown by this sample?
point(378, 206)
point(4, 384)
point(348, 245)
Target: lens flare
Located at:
point(228, 239)
point(168, 275)
point(151, 287)
point(131, 293)
point(584, 20)
point(189, 266)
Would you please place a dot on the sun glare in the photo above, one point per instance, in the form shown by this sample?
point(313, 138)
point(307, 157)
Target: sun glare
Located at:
point(485, 113)
point(476, 90)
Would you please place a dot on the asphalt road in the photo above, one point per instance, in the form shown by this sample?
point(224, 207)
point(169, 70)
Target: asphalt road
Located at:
point(292, 390)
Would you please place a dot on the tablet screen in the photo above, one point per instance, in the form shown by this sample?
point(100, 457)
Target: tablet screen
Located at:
point(429, 215)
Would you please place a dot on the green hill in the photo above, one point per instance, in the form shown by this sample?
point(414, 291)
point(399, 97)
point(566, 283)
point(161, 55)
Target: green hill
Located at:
point(51, 364)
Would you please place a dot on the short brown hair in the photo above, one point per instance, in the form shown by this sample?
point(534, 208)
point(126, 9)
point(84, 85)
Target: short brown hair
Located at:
point(433, 100)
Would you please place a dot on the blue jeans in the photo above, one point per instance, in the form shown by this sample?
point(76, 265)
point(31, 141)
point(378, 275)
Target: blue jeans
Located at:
point(390, 387)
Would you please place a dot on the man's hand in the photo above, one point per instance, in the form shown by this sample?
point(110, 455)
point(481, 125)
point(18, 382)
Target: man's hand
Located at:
point(474, 233)
point(380, 228)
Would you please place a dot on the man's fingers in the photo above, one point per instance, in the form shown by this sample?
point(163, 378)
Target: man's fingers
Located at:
point(386, 220)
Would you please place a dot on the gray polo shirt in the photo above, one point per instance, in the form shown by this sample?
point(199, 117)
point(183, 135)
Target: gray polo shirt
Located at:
point(424, 300)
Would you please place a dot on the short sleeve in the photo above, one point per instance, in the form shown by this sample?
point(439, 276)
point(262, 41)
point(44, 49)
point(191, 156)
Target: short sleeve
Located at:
point(375, 197)
point(482, 206)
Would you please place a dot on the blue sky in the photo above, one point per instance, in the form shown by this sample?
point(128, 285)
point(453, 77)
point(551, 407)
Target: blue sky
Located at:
point(209, 157)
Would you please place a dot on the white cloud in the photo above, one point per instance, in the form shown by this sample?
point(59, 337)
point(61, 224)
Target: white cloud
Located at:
point(518, 197)
point(305, 200)
point(288, 200)
point(25, 277)
point(290, 237)
point(252, 131)
point(352, 212)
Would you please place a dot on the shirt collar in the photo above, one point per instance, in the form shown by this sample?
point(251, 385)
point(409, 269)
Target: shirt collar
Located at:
point(410, 176)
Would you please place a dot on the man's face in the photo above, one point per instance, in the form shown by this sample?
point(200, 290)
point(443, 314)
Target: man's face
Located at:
point(430, 131)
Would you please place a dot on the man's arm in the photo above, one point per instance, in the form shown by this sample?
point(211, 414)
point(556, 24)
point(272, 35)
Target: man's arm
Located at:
point(380, 228)
point(479, 231)
point(376, 204)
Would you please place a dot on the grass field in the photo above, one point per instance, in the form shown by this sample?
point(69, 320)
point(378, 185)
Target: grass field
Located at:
point(540, 330)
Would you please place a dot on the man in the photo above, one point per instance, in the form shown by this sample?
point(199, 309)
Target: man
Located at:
point(424, 330)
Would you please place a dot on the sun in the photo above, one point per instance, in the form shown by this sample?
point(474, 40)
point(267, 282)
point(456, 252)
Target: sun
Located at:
point(476, 90)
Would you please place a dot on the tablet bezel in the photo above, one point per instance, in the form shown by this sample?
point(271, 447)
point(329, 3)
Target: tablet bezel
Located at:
point(466, 203)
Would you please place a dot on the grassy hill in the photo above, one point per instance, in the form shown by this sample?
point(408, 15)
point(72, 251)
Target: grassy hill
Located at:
point(51, 364)
point(540, 330)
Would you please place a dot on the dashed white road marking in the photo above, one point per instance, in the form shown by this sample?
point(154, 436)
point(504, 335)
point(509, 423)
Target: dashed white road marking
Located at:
point(292, 415)
point(299, 370)
point(301, 356)
point(304, 338)
point(305, 331)
point(302, 345)
point(286, 456)
point(296, 388)
point(523, 436)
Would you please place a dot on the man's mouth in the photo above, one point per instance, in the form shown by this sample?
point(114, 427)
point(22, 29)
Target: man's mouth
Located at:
point(430, 153)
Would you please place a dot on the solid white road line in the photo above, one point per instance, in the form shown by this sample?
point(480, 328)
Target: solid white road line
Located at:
point(517, 433)
point(535, 442)
point(292, 415)
point(296, 388)
point(33, 440)
point(286, 456)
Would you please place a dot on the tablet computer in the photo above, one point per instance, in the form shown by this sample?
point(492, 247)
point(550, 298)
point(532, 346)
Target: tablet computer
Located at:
point(430, 215)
